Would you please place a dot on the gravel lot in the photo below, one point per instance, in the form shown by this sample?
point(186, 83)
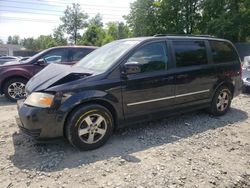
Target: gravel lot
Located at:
point(191, 150)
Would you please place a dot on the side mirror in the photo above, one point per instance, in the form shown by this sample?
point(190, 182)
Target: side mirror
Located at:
point(40, 62)
point(131, 68)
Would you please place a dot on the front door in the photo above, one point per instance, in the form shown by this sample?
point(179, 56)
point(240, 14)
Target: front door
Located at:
point(152, 90)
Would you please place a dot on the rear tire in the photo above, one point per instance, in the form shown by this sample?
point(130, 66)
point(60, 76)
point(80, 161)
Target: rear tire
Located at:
point(89, 126)
point(221, 101)
point(14, 89)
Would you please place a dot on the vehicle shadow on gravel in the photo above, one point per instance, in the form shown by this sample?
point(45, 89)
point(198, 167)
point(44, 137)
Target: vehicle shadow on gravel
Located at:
point(5, 102)
point(60, 155)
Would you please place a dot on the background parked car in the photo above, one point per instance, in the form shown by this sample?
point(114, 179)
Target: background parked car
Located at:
point(24, 58)
point(15, 75)
point(246, 73)
point(5, 59)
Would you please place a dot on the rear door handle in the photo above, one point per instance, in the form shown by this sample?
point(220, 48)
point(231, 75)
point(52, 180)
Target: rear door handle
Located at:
point(182, 76)
point(168, 78)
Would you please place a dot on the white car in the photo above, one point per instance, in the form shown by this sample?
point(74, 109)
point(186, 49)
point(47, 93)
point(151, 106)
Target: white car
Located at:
point(5, 59)
point(246, 72)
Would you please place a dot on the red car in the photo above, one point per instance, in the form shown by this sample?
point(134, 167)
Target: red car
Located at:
point(15, 75)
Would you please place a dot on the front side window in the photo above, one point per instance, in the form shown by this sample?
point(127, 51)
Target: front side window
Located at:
point(223, 52)
point(189, 53)
point(56, 56)
point(152, 57)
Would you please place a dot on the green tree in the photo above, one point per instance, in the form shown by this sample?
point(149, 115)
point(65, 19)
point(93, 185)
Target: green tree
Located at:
point(29, 43)
point(97, 20)
point(73, 21)
point(41, 43)
point(115, 31)
point(13, 39)
point(9, 41)
point(227, 19)
point(44, 42)
point(143, 18)
point(164, 16)
point(94, 33)
point(58, 36)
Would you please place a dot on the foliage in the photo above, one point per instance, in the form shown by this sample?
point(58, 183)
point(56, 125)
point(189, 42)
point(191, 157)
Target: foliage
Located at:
point(143, 17)
point(74, 20)
point(225, 18)
point(95, 33)
point(59, 37)
point(13, 39)
point(115, 31)
point(42, 42)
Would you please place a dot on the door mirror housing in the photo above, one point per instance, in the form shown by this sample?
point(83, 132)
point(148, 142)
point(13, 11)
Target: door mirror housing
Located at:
point(132, 68)
point(40, 62)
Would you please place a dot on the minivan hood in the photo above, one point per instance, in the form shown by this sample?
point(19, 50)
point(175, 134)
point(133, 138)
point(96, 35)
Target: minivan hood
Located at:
point(55, 74)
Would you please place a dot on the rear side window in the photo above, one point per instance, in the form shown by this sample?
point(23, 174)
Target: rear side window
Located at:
point(152, 57)
point(222, 52)
point(77, 54)
point(189, 53)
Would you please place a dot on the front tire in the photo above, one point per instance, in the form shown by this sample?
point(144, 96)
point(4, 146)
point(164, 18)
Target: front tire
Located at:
point(221, 101)
point(89, 127)
point(14, 89)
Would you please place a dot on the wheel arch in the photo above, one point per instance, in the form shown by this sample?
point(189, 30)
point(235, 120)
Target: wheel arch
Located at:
point(100, 102)
point(10, 78)
point(226, 83)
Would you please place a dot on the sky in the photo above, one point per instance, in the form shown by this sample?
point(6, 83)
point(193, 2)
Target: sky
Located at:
point(31, 18)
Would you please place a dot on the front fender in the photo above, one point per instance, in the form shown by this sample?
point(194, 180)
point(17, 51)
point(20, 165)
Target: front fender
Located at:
point(94, 96)
point(86, 96)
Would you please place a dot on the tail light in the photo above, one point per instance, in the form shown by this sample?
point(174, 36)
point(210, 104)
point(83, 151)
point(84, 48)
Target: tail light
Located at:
point(241, 70)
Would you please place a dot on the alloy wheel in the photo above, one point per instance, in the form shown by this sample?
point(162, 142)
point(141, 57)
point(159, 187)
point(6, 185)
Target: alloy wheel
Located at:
point(92, 128)
point(222, 101)
point(16, 90)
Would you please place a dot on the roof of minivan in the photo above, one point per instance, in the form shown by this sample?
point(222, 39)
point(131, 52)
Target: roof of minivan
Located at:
point(75, 46)
point(176, 37)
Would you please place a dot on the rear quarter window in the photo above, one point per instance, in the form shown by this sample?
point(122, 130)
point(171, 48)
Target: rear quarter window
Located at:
point(223, 52)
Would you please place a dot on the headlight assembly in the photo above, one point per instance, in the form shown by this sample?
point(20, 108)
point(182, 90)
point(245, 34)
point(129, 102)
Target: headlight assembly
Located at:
point(42, 100)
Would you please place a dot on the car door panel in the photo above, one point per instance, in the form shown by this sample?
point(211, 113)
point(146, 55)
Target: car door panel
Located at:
point(193, 79)
point(147, 93)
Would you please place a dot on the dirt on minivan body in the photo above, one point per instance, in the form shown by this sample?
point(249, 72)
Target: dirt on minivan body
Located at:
point(190, 150)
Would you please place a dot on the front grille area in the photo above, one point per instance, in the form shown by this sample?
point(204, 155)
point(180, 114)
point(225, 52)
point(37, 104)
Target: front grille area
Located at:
point(31, 132)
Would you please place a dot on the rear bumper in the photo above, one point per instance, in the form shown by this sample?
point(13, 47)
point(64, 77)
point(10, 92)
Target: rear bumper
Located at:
point(38, 123)
point(238, 84)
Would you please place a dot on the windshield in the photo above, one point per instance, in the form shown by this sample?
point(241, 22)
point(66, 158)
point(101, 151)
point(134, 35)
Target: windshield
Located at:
point(33, 57)
point(104, 57)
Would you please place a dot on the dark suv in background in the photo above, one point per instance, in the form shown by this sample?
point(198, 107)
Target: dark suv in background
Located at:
point(14, 75)
point(127, 81)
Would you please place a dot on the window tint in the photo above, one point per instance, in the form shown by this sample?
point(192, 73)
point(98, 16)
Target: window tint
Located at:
point(222, 52)
point(78, 53)
point(152, 57)
point(190, 53)
point(56, 56)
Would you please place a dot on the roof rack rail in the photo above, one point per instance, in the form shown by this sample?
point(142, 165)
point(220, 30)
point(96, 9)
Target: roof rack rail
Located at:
point(185, 35)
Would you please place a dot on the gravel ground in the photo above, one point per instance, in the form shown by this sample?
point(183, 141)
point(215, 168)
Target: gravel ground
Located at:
point(191, 150)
